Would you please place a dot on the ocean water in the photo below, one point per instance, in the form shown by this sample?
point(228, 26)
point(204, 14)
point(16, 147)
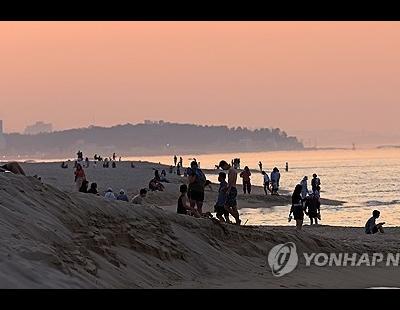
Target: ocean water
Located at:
point(365, 179)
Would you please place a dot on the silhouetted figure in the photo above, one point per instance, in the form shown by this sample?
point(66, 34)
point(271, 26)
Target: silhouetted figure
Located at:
point(266, 182)
point(132, 164)
point(245, 175)
point(84, 186)
point(287, 167)
point(87, 162)
point(315, 184)
point(371, 227)
point(181, 161)
point(175, 160)
point(157, 175)
point(312, 208)
point(113, 156)
point(114, 165)
point(93, 189)
point(297, 207)
point(171, 169)
point(64, 165)
point(260, 165)
point(304, 188)
point(275, 178)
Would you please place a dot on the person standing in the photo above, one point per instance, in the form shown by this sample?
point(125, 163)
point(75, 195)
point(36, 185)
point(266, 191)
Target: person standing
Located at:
point(180, 161)
point(315, 184)
point(197, 181)
point(79, 176)
point(219, 207)
point(297, 207)
point(312, 207)
point(275, 177)
point(175, 160)
point(245, 175)
point(260, 165)
point(231, 192)
point(304, 189)
point(266, 182)
point(287, 166)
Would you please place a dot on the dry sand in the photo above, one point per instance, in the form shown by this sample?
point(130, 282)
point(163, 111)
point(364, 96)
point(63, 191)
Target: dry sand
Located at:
point(52, 237)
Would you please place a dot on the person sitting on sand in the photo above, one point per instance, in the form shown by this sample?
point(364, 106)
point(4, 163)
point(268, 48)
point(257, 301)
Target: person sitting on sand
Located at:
point(183, 206)
point(93, 189)
point(163, 177)
point(312, 208)
point(245, 175)
point(197, 180)
point(122, 196)
point(304, 189)
point(84, 187)
point(13, 167)
point(79, 176)
point(109, 194)
point(64, 165)
point(297, 207)
point(155, 185)
point(275, 177)
point(266, 182)
point(219, 207)
point(231, 191)
point(371, 227)
point(138, 199)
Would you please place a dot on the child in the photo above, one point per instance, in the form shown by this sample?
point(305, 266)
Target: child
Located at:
point(219, 207)
point(371, 227)
point(183, 207)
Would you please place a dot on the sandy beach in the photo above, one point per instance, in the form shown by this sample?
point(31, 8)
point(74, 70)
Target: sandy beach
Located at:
point(54, 237)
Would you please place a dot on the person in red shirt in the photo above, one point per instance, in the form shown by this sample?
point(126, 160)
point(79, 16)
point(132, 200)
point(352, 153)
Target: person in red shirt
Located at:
point(245, 175)
point(79, 176)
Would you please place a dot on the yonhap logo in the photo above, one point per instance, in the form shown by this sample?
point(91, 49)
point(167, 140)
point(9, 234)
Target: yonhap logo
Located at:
point(283, 259)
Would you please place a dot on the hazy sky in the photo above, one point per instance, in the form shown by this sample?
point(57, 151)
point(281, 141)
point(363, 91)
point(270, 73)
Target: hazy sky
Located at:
point(292, 75)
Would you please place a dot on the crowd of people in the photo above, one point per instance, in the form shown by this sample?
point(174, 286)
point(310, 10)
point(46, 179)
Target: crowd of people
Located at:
point(191, 198)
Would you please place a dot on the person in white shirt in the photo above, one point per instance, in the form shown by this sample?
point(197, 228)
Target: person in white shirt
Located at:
point(266, 182)
point(109, 194)
point(304, 189)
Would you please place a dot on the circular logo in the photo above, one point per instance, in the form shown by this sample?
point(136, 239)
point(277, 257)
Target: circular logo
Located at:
point(283, 259)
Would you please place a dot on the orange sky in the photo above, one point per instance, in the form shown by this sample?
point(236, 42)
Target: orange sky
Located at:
point(292, 75)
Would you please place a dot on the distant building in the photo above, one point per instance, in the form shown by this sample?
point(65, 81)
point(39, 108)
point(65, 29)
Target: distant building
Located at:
point(38, 127)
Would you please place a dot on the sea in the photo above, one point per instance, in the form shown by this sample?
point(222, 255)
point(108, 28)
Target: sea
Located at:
point(366, 179)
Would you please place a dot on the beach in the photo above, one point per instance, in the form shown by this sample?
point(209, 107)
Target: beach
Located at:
point(54, 237)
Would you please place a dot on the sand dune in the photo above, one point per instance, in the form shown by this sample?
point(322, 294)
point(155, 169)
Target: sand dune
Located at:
point(55, 239)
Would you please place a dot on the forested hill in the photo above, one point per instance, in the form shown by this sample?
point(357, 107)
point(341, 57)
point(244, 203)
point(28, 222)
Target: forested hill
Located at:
point(149, 138)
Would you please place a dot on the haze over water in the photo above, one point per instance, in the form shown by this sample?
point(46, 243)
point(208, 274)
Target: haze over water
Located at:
point(365, 179)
